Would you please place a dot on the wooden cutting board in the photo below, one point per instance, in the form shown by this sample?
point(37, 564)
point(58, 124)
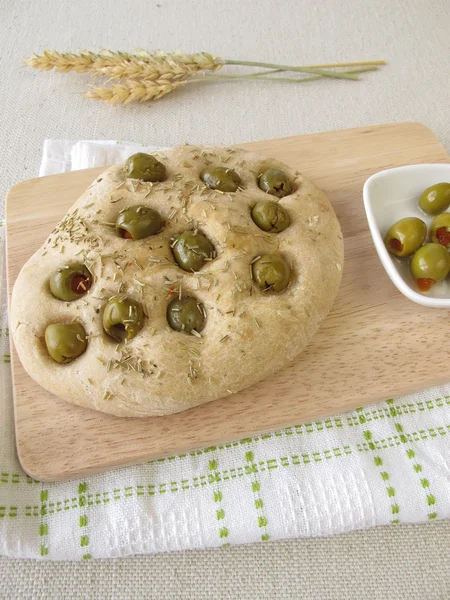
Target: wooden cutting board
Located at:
point(374, 344)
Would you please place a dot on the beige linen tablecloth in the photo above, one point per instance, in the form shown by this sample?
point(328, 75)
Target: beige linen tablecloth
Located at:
point(398, 562)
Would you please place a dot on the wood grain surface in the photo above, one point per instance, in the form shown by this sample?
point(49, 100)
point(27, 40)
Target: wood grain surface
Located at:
point(373, 345)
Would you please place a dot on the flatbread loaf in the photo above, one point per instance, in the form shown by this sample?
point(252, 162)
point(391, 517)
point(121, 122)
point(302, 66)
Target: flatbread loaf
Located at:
point(249, 332)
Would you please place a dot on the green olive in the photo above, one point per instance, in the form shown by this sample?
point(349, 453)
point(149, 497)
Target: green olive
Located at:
point(440, 229)
point(137, 222)
point(429, 264)
point(65, 341)
point(122, 318)
point(275, 182)
point(191, 249)
point(435, 199)
point(221, 178)
point(146, 167)
point(70, 282)
point(406, 236)
point(271, 272)
point(186, 314)
point(270, 216)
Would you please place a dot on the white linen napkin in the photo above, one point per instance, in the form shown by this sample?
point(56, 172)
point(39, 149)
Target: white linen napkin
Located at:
point(60, 156)
point(388, 463)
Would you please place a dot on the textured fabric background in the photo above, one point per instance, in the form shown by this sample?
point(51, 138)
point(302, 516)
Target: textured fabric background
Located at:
point(403, 562)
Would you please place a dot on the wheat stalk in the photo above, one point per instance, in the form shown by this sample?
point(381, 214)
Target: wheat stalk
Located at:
point(119, 65)
point(142, 91)
point(262, 75)
point(134, 68)
point(63, 62)
point(134, 91)
point(151, 75)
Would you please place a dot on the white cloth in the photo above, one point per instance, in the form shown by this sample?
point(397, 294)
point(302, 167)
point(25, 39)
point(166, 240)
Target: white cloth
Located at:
point(60, 156)
point(388, 463)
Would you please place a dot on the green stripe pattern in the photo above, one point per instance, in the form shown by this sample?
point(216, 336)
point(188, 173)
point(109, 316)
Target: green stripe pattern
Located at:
point(417, 467)
point(251, 469)
point(215, 478)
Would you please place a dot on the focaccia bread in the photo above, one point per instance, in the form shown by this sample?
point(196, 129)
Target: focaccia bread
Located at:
point(152, 297)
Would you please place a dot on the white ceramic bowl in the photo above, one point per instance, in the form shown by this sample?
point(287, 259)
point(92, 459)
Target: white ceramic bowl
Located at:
point(389, 196)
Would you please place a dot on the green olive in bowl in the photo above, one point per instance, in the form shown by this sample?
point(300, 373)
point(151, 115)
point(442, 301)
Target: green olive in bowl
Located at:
point(431, 263)
point(65, 341)
point(435, 199)
point(123, 318)
point(70, 282)
point(406, 236)
point(440, 229)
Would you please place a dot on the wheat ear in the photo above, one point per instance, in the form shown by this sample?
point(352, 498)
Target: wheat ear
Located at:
point(134, 91)
point(174, 66)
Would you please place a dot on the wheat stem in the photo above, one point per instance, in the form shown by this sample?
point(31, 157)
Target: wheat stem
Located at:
point(324, 73)
point(263, 75)
point(212, 78)
point(348, 64)
point(266, 72)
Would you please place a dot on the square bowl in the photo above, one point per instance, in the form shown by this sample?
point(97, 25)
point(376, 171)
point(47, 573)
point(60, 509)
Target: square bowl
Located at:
point(392, 195)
